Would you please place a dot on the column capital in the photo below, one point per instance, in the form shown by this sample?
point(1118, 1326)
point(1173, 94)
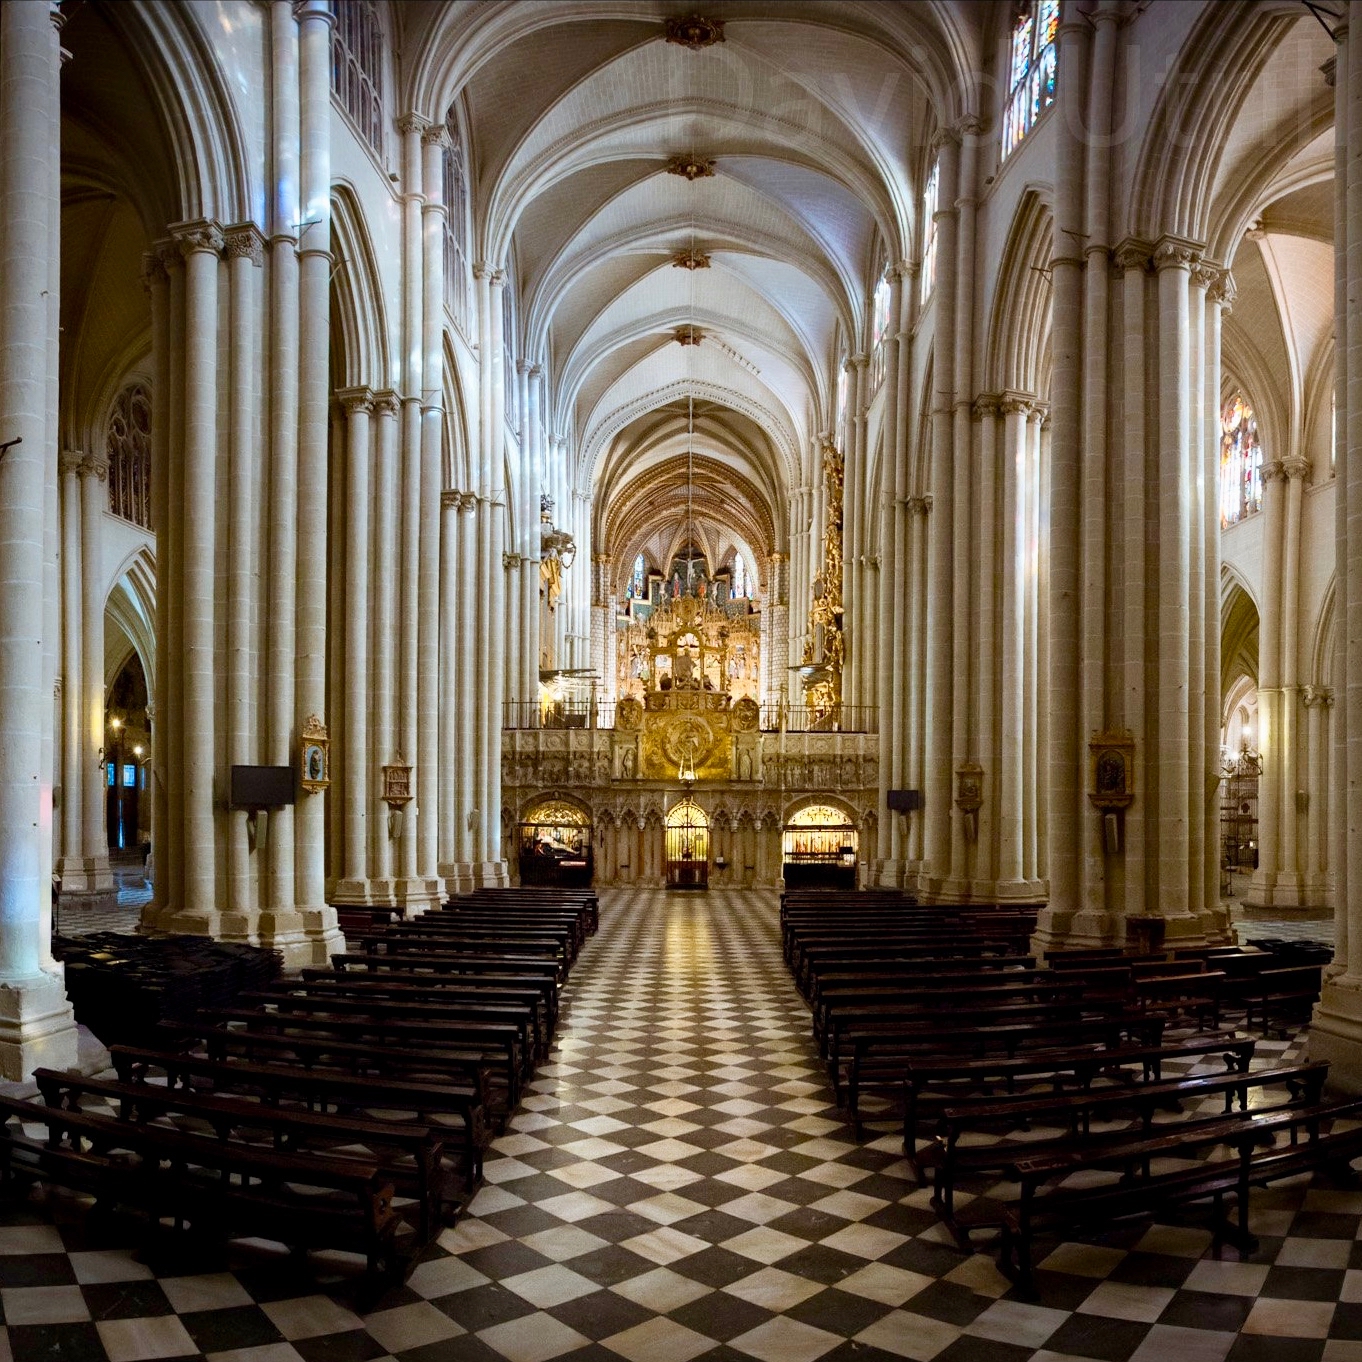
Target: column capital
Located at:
point(386, 402)
point(919, 505)
point(1016, 403)
point(412, 123)
point(1274, 470)
point(319, 11)
point(356, 400)
point(536, 370)
point(244, 241)
point(69, 462)
point(1175, 252)
point(858, 361)
point(497, 277)
point(198, 236)
point(153, 271)
point(469, 502)
point(1223, 290)
point(985, 405)
point(1204, 274)
point(511, 560)
point(451, 498)
point(437, 135)
point(1133, 254)
point(93, 466)
point(523, 366)
point(1317, 696)
point(1296, 466)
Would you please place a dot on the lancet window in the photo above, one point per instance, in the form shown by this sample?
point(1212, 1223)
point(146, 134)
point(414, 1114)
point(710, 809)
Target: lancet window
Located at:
point(879, 329)
point(129, 454)
point(742, 581)
point(928, 274)
point(456, 225)
point(841, 396)
point(1031, 70)
point(638, 580)
point(1241, 462)
point(508, 346)
point(357, 66)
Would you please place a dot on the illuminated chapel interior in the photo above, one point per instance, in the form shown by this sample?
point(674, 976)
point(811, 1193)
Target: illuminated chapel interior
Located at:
point(786, 442)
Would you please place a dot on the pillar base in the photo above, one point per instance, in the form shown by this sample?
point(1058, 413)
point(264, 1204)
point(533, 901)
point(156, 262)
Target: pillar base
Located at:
point(86, 875)
point(458, 877)
point(418, 895)
point(1020, 891)
point(1279, 889)
point(356, 894)
point(1068, 929)
point(37, 1026)
point(491, 875)
point(1336, 1032)
point(71, 906)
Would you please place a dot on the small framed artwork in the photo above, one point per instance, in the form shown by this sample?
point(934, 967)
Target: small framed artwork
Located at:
point(396, 785)
point(315, 755)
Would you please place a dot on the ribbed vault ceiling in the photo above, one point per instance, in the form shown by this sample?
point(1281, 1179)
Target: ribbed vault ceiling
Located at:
point(803, 110)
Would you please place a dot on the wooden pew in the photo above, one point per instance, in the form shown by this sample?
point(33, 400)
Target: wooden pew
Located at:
point(937, 1081)
point(430, 1103)
point(220, 1189)
point(1071, 1208)
point(949, 1160)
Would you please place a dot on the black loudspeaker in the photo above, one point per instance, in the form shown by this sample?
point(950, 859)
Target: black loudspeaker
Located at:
point(905, 801)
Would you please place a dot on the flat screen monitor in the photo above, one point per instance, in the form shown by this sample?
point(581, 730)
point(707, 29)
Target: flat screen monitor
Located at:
point(261, 787)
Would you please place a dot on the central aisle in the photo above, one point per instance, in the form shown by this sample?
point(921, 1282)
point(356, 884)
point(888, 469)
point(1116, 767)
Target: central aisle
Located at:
point(676, 1180)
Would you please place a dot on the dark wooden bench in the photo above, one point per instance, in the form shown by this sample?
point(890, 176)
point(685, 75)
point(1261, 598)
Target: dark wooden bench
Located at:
point(884, 1054)
point(1284, 992)
point(498, 1043)
point(218, 1189)
point(1067, 1209)
point(412, 1156)
point(937, 1081)
point(429, 1103)
point(949, 1160)
point(298, 997)
point(540, 995)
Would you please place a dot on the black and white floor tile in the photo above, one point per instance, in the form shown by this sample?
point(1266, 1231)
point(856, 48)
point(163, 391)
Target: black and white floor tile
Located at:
point(677, 1186)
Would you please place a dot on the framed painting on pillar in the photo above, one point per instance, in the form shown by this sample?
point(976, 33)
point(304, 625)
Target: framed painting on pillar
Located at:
point(314, 755)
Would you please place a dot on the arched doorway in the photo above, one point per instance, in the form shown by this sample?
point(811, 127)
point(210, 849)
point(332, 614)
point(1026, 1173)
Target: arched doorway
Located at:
point(687, 846)
point(1240, 752)
point(819, 849)
point(127, 754)
point(555, 845)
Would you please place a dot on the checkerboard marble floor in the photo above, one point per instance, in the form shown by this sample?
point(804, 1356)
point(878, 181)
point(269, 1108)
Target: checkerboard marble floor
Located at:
point(676, 1186)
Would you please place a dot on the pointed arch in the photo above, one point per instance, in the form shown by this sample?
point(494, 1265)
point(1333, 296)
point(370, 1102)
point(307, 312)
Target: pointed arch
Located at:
point(357, 297)
point(1019, 325)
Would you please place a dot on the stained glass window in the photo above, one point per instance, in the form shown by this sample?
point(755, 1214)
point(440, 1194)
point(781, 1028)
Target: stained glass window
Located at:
point(928, 276)
point(742, 582)
point(638, 587)
point(1241, 462)
point(1031, 70)
point(356, 66)
point(841, 396)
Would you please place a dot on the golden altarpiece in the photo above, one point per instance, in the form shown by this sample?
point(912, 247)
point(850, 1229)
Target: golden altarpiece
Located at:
point(688, 777)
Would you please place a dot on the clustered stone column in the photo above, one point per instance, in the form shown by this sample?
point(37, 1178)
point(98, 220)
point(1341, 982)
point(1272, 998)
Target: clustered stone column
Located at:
point(36, 1023)
point(1336, 1033)
point(86, 877)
